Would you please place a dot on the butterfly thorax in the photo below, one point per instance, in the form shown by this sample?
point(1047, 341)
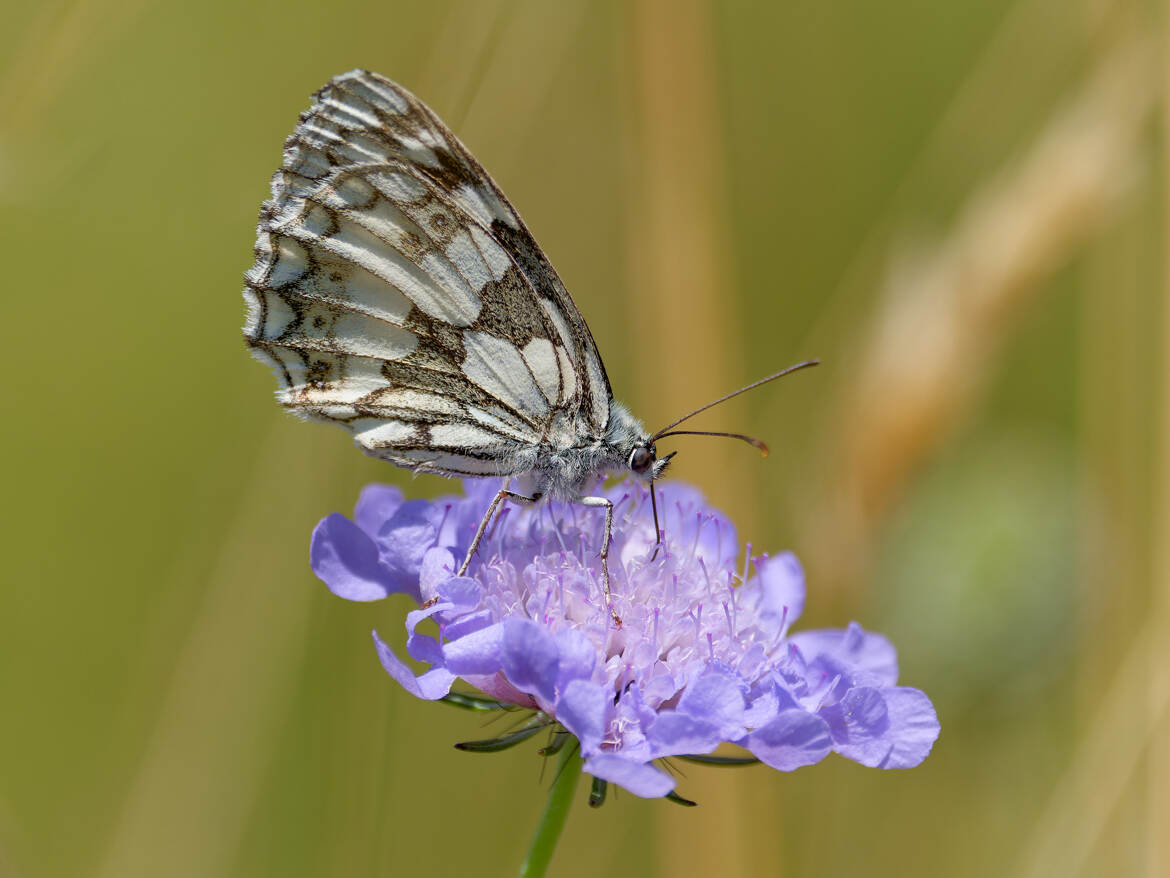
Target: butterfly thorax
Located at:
point(563, 473)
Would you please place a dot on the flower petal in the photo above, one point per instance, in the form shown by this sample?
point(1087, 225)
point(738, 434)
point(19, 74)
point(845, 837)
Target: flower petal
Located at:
point(432, 685)
point(497, 686)
point(630, 718)
point(405, 538)
point(854, 649)
point(529, 658)
point(673, 733)
point(717, 699)
point(641, 779)
point(794, 738)
point(345, 558)
point(782, 586)
point(461, 591)
point(911, 730)
point(583, 709)
point(858, 718)
point(416, 617)
point(576, 657)
point(424, 648)
point(466, 624)
point(765, 703)
point(438, 566)
point(476, 653)
point(376, 505)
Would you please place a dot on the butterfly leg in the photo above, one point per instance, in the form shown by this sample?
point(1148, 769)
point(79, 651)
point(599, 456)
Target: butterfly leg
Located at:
point(657, 529)
point(505, 494)
point(596, 502)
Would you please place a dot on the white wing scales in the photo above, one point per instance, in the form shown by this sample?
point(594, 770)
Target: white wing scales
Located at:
point(396, 292)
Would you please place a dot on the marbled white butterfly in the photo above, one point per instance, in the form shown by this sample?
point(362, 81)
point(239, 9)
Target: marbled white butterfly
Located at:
point(397, 293)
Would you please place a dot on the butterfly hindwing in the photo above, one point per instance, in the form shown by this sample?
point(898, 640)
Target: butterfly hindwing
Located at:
point(396, 292)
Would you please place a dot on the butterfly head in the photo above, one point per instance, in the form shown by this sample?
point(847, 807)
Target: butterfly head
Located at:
point(645, 463)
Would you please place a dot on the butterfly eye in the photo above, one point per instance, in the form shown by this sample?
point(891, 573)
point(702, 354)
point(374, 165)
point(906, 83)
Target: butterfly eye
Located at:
point(640, 459)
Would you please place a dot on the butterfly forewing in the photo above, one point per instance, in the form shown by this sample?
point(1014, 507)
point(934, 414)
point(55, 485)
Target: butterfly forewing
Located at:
point(396, 292)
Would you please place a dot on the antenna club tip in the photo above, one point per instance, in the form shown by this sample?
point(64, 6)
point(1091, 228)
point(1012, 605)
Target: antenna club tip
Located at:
point(764, 450)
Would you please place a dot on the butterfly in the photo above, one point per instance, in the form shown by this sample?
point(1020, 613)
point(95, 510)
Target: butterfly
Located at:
point(397, 293)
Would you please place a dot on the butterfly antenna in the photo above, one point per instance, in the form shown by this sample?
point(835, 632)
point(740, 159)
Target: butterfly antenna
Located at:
point(750, 440)
point(669, 430)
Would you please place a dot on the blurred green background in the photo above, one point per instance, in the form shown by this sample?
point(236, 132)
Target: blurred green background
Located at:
point(959, 206)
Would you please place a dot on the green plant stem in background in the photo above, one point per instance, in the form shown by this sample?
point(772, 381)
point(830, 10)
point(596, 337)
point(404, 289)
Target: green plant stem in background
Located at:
point(556, 811)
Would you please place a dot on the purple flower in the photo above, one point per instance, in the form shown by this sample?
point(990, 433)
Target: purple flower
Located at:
point(703, 656)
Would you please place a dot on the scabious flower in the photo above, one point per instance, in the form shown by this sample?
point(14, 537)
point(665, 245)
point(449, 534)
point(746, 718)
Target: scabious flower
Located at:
point(703, 656)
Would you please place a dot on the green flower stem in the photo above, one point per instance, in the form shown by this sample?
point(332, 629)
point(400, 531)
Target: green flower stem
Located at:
point(556, 811)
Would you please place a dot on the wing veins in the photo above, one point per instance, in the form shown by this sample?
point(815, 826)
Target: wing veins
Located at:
point(362, 124)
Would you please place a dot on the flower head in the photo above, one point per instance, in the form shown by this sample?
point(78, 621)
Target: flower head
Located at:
point(704, 654)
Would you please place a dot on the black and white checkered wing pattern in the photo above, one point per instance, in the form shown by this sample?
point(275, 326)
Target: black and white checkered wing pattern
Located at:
point(396, 292)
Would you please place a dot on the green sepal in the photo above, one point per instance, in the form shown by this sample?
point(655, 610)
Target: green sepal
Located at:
point(494, 745)
point(467, 701)
point(555, 744)
point(597, 793)
point(672, 796)
point(720, 760)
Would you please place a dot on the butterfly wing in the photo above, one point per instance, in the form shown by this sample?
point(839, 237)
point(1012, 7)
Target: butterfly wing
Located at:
point(397, 293)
